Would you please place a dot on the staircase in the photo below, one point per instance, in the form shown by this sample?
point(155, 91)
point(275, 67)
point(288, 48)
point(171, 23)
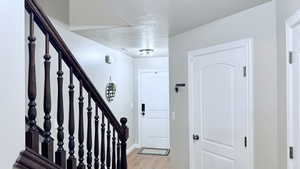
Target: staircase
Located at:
point(106, 151)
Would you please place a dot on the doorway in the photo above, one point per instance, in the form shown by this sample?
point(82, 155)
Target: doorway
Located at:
point(220, 116)
point(154, 108)
point(293, 88)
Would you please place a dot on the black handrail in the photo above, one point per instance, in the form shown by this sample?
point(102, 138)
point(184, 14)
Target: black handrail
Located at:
point(56, 40)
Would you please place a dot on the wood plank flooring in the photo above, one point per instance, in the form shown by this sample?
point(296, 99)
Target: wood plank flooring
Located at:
point(137, 161)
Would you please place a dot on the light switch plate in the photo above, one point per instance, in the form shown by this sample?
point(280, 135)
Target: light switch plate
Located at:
point(173, 115)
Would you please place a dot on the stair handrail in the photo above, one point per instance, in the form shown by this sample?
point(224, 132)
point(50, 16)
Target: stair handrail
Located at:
point(44, 23)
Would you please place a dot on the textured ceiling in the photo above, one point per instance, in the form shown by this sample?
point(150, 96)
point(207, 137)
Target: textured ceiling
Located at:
point(144, 24)
point(132, 25)
point(189, 14)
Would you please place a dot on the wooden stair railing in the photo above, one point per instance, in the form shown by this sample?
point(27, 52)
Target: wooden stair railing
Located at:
point(110, 145)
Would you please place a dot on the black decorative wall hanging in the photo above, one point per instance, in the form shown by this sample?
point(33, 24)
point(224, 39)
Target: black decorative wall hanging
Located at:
point(111, 89)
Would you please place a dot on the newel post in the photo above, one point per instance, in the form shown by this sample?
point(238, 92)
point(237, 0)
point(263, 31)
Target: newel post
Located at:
point(123, 140)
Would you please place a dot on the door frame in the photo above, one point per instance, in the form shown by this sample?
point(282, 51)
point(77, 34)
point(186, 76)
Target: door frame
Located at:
point(248, 44)
point(290, 24)
point(140, 71)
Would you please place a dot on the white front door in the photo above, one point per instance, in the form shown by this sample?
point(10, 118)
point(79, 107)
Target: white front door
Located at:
point(219, 109)
point(154, 109)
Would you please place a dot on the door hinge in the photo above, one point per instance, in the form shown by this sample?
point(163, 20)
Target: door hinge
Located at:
point(245, 141)
point(291, 152)
point(290, 57)
point(244, 71)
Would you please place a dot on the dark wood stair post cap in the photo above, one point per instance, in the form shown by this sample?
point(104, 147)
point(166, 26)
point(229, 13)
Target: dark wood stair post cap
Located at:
point(123, 121)
point(125, 131)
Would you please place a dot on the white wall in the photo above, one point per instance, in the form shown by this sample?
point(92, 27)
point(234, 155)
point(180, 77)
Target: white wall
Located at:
point(58, 9)
point(91, 56)
point(140, 64)
point(12, 65)
point(296, 41)
point(285, 9)
point(257, 23)
point(122, 73)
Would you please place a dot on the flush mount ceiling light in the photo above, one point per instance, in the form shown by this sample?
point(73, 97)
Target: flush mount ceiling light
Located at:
point(146, 52)
point(124, 50)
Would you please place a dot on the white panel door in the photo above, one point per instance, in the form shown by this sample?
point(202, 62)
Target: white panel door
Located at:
point(293, 112)
point(220, 110)
point(154, 119)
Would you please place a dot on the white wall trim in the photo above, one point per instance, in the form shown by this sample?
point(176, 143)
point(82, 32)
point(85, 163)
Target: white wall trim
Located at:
point(291, 23)
point(248, 43)
point(140, 71)
point(132, 147)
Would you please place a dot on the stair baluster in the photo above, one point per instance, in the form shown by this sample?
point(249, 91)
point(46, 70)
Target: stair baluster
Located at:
point(81, 131)
point(119, 153)
point(113, 165)
point(60, 154)
point(47, 145)
point(71, 163)
point(32, 134)
point(102, 143)
point(89, 135)
point(96, 148)
point(108, 157)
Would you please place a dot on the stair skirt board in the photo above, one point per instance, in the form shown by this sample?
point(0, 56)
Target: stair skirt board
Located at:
point(29, 159)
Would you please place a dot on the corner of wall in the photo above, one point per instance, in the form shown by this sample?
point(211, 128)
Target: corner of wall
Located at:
point(12, 130)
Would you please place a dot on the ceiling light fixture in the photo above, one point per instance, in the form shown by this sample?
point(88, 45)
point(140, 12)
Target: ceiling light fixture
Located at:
point(124, 50)
point(146, 52)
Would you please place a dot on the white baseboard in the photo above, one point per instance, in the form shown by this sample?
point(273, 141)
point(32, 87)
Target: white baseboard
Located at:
point(131, 148)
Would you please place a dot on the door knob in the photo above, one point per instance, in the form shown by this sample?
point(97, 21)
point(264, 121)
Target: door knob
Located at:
point(196, 137)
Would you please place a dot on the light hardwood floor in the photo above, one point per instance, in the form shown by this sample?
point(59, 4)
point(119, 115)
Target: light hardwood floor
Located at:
point(137, 161)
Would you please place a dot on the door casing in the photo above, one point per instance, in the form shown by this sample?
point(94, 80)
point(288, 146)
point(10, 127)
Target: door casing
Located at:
point(248, 44)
